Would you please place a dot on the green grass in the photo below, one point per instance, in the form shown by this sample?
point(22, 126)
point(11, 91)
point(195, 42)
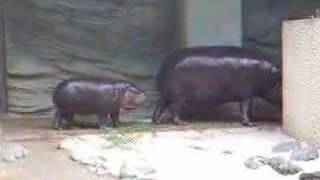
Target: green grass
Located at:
point(127, 134)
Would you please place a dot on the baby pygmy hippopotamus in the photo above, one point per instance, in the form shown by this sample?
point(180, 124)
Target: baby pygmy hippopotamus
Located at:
point(92, 95)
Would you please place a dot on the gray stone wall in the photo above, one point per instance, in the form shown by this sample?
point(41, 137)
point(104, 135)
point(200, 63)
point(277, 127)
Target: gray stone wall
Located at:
point(50, 40)
point(262, 22)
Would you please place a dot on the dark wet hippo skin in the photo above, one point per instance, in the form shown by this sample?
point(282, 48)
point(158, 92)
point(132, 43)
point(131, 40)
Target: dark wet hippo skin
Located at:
point(91, 95)
point(203, 77)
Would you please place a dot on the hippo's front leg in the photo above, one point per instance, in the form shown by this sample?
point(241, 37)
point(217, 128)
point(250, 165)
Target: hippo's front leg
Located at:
point(115, 118)
point(156, 112)
point(245, 109)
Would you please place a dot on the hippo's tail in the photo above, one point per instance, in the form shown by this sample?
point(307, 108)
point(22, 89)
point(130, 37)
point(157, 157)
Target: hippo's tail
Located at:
point(163, 72)
point(168, 65)
point(57, 92)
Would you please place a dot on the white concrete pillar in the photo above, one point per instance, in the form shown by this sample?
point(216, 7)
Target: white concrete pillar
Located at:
point(301, 79)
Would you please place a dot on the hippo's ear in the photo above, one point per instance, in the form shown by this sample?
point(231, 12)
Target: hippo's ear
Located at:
point(123, 94)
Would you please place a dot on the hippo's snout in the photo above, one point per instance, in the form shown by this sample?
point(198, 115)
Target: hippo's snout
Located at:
point(140, 99)
point(133, 98)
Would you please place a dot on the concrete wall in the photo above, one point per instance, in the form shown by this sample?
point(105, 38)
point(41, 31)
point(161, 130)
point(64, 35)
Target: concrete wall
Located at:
point(50, 40)
point(210, 22)
point(301, 79)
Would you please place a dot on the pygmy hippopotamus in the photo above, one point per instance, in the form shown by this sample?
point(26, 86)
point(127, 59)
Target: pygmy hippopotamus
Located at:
point(211, 75)
point(91, 95)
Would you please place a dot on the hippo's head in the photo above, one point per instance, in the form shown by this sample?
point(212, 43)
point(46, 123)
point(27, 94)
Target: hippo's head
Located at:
point(133, 97)
point(275, 95)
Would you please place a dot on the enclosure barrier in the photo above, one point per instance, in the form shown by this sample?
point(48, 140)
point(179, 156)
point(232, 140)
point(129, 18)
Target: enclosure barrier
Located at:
point(301, 79)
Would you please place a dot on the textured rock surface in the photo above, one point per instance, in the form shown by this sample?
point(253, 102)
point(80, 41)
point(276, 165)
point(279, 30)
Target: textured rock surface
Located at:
point(283, 166)
point(304, 154)
point(86, 152)
point(137, 168)
point(255, 162)
point(310, 176)
point(278, 163)
point(189, 154)
point(11, 152)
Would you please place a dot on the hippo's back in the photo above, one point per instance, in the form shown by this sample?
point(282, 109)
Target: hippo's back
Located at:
point(84, 91)
point(208, 56)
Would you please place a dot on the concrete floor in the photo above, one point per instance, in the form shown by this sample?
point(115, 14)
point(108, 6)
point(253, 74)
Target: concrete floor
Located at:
point(38, 129)
point(196, 151)
point(45, 162)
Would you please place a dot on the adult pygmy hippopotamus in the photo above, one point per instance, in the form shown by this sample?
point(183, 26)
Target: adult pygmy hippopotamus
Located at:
point(212, 75)
point(90, 95)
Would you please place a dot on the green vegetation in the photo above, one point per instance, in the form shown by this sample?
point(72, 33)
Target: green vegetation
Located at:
point(127, 134)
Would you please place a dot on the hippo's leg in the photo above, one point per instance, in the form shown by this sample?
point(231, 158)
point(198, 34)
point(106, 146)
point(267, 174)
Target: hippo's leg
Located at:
point(245, 109)
point(69, 119)
point(156, 112)
point(57, 121)
point(102, 119)
point(175, 111)
point(160, 107)
point(115, 118)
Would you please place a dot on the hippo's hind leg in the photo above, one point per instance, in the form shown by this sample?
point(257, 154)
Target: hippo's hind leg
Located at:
point(115, 118)
point(246, 112)
point(160, 107)
point(102, 120)
point(156, 112)
point(175, 109)
point(69, 119)
point(57, 121)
